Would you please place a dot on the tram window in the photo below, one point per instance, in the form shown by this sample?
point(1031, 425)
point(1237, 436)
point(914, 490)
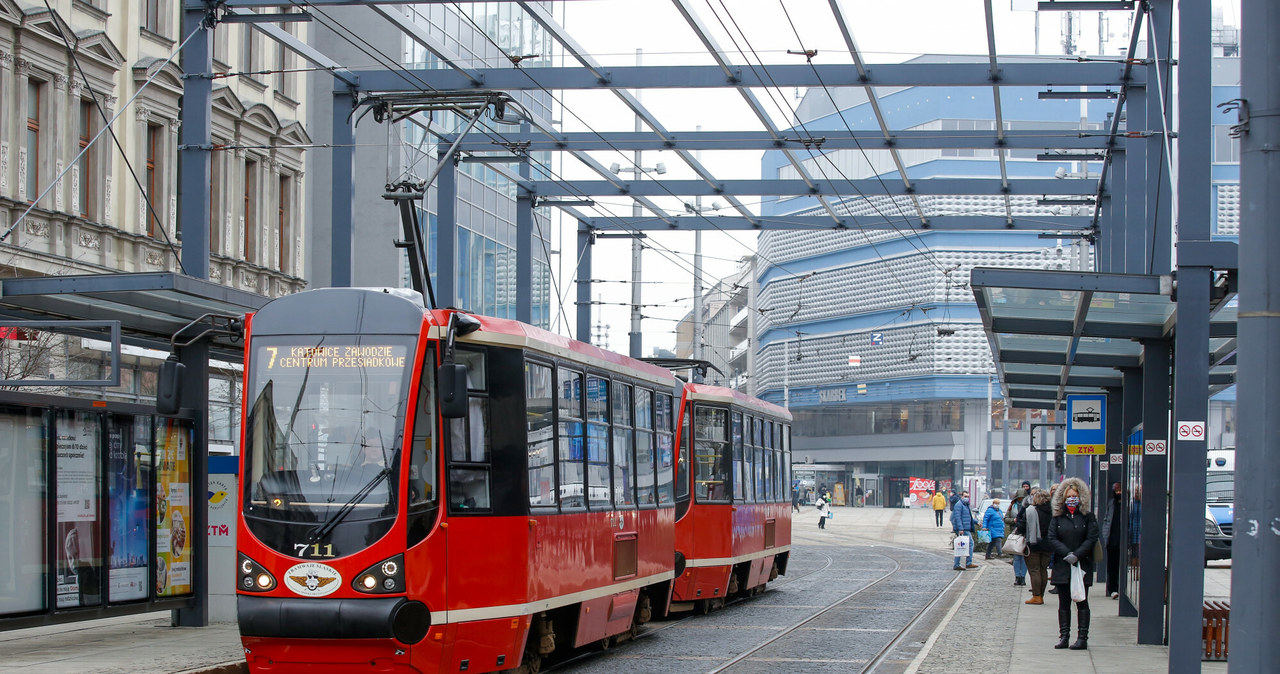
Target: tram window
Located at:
point(769, 475)
point(542, 473)
point(624, 474)
point(477, 377)
point(739, 492)
point(470, 436)
point(682, 464)
point(779, 488)
point(711, 454)
point(468, 489)
point(570, 442)
point(748, 459)
point(598, 496)
point(666, 449)
point(422, 466)
point(644, 447)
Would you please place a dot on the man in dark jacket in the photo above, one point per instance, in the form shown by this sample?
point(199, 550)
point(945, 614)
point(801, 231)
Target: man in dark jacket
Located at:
point(1073, 532)
point(962, 525)
point(1110, 529)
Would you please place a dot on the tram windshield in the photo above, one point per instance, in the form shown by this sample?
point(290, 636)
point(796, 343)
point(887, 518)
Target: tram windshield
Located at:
point(325, 427)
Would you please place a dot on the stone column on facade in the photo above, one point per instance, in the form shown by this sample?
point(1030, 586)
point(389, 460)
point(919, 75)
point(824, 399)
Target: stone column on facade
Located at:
point(271, 231)
point(238, 249)
point(22, 71)
point(74, 178)
point(104, 163)
point(142, 117)
point(296, 223)
point(171, 183)
point(7, 133)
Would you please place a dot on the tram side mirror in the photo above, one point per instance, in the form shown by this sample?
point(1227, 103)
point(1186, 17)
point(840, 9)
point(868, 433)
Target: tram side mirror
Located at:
point(453, 390)
point(169, 387)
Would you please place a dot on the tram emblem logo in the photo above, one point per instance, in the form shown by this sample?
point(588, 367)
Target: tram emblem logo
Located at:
point(312, 579)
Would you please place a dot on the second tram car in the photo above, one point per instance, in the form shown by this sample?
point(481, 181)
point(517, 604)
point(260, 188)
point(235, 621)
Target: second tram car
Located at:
point(733, 526)
point(432, 491)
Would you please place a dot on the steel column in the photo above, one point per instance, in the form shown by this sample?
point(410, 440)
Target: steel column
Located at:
point(1110, 254)
point(585, 244)
point(1159, 201)
point(1105, 478)
point(1134, 218)
point(1191, 381)
point(1256, 546)
point(341, 197)
point(1131, 416)
point(1155, 494)
point(524, 250)
point(194, 175)
point(447, 233)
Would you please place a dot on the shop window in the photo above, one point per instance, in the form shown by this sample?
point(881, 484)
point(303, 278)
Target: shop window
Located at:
point(22, 512)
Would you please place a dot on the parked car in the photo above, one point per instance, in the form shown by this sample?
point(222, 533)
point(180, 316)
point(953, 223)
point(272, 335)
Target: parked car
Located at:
point(1219, 511)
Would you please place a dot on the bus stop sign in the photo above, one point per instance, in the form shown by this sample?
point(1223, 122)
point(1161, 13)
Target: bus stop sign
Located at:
point(1086, 424)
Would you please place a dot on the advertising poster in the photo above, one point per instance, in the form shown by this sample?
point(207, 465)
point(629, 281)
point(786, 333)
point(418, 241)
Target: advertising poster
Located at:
point(129, 500)
point(919, 488)
point(173, 508)
point(79, 568)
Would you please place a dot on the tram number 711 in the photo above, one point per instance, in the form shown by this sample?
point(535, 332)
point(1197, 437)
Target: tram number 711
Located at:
point(313, 549)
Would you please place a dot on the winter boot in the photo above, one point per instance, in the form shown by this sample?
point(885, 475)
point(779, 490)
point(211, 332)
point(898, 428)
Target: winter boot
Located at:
point(1064, 628)
point(1082, 636)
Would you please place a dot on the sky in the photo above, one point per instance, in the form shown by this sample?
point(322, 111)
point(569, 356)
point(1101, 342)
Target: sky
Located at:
point(612, 30)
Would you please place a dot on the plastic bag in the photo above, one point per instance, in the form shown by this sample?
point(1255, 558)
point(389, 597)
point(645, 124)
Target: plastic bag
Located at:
point(1078, 590)
point(962, 545)
point(831, 514)
point(984, 536)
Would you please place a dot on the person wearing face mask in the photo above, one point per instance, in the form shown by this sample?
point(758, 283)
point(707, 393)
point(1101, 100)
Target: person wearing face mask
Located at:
point(1073, 532)
point(1110, 529)
point(962, 525)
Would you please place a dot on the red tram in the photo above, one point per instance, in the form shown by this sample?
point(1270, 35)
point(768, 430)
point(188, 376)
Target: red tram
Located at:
point(427, 490)
point(734, 535)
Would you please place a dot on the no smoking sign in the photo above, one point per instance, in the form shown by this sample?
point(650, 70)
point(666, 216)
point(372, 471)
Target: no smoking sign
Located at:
point(1191, 430)
point(1155, 448)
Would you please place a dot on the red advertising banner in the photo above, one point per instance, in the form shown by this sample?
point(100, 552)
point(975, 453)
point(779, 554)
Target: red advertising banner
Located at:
point(920, 487)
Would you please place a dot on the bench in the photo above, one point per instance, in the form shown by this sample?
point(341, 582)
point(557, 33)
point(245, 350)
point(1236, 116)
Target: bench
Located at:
point(1216, 628)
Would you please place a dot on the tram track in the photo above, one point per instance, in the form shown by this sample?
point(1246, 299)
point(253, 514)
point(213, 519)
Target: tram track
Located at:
point(883, 653)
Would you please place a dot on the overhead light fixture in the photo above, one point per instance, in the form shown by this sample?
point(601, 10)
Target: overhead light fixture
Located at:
point(1072, 95)
point(1085, 5)
point(1053, 156)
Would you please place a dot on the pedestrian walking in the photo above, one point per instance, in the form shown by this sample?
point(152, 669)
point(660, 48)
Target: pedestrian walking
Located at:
point(1110, 529)
point(993, 522)
point(939, 505)
point(795, 499)
point(1011, 526)
point(1033, 522)
point(1073, 532)
point(823, 508)
point(962, 525)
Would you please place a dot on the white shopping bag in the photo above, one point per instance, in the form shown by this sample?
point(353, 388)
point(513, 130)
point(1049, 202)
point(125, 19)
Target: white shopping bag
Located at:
point(1078, 590)
point(962, 545)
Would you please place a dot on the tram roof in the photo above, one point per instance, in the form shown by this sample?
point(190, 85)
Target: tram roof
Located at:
point(723, 394)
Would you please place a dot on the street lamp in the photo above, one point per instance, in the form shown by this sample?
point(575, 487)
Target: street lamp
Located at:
point(634, 339)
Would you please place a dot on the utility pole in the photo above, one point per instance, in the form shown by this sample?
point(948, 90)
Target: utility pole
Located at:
point(698, 328)
point(635, 343)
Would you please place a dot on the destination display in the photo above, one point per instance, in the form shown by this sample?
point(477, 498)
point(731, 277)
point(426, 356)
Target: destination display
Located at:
point(341, 357)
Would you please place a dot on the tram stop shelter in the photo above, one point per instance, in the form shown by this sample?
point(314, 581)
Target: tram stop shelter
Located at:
point(1059, 333)
point(105, 500)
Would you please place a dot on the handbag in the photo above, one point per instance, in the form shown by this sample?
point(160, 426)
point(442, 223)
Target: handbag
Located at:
point(984, 536)
point(1078, 591)
point(1015, 544)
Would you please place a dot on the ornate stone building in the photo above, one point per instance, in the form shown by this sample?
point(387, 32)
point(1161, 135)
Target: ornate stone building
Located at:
point(63, 71)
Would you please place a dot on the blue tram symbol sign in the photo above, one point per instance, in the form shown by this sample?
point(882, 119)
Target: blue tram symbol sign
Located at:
point(1086, 424)
point(877, 338)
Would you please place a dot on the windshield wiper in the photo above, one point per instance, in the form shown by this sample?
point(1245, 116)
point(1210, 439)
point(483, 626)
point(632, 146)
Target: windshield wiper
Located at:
point(336, 518)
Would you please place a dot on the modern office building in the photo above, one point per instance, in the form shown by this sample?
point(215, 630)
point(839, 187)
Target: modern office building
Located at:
point(873, 337)
point(477, 34)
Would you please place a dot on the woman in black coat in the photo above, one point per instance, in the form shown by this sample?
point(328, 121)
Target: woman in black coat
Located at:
point(1073, 532)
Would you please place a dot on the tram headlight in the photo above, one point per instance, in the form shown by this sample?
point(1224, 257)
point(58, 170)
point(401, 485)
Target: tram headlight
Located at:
point(384, 577)
point(253, 577)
